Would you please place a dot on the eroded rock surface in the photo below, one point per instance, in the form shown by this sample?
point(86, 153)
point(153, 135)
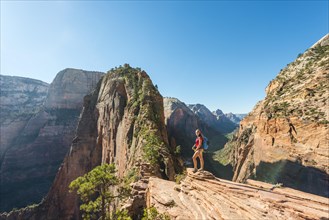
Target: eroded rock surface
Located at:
point(202, 196)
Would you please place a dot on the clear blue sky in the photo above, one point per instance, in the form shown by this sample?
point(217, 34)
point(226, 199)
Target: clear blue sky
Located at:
point(219, 53)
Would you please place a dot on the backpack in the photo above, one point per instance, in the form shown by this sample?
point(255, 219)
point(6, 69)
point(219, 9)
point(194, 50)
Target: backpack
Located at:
point(205, 143)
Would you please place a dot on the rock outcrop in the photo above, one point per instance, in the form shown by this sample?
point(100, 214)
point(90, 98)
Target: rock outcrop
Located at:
point(285, 138)
point(122, 122)
point(202, 196)
point(29, 165)
point(216, 120)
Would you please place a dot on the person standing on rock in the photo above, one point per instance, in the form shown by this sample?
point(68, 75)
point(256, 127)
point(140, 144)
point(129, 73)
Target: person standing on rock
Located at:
point(198, 150)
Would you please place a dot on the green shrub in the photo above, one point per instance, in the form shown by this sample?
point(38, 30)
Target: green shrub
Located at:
point(180, 177)
point(178, 150)
point(153, 214)
point(152, 146)
point(94, 190)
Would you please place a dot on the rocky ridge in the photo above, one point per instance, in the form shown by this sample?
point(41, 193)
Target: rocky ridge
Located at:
point(202, 196)
point(235, 118)
point(30, 163)
point(216, 120)
point(285, 138)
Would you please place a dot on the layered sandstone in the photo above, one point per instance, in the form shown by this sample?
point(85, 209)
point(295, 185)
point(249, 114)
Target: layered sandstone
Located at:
point(285, 138)
point(29, 165)
point(202, 196)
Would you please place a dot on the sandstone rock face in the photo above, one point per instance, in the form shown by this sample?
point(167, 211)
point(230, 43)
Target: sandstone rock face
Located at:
point(29, 166)
point(69, 87)
point(131, 114)
point(20, 98)
point(181, 125)
point(119, 120)
point(285, 138)
point(217, 120)
point(202, 196)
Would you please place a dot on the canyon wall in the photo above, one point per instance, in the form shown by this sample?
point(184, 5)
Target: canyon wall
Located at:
point(39, 126)
point(285, 138)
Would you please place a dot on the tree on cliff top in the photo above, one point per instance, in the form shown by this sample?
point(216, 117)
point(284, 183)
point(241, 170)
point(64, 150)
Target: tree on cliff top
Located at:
point(95, 190)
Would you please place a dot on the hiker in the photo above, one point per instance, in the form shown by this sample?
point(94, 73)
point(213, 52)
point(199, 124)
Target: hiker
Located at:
point(197, 147)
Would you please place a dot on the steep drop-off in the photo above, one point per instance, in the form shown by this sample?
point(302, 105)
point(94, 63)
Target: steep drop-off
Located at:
point(36, 150)
point(122, 122)
point(285, 138)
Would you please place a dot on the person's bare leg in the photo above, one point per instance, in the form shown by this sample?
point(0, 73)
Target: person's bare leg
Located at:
point(201, 160)
point(195, 155)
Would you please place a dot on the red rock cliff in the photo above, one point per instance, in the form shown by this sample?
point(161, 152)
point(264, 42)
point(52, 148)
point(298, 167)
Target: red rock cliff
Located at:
point(285, 138)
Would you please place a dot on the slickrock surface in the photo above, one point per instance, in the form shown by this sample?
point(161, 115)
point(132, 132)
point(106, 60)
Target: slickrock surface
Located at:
point(202, 196)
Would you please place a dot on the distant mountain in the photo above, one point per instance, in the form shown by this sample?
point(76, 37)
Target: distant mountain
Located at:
point(216, 120)
point(38, 122)
point(235, 118)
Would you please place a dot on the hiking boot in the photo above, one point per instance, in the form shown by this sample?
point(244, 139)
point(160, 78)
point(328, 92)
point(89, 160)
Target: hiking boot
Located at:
point(194, 170)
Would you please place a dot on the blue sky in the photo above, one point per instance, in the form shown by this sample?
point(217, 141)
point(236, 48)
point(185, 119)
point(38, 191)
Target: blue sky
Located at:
point(219, 53)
